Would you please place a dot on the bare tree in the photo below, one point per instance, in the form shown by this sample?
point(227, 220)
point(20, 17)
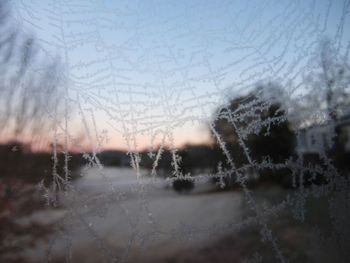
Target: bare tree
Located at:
point(336, 77)
point(30, 84)
point(327, 85)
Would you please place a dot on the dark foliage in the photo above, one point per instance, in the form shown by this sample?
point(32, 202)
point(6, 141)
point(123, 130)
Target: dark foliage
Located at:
point(274, 140)
point(183, 185)
point(18, 162)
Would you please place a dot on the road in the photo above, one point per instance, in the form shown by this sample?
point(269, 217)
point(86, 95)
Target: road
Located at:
point(112, 214)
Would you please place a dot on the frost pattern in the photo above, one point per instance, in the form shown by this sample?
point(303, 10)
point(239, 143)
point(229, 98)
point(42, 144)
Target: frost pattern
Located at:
point(170, 70)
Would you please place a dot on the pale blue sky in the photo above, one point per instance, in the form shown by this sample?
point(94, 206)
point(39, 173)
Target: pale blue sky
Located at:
point(149, 68)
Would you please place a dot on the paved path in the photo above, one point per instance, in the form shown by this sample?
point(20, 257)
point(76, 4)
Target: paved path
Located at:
point(114, 214)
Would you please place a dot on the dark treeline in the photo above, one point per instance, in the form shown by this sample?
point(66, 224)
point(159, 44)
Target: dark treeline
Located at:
point(194, 158)
point(19, 163)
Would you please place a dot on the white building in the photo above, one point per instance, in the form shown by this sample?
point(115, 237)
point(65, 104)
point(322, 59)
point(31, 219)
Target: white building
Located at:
point(315, 138)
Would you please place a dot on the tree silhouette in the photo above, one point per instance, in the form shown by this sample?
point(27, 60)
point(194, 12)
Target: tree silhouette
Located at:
point(326, 87)
point(30, 84)
point(255, 128)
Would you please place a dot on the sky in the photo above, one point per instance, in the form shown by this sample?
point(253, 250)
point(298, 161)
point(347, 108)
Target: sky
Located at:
point(141, 73)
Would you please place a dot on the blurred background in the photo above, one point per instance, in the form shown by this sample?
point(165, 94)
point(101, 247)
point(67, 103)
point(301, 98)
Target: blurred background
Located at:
point(161, 131)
